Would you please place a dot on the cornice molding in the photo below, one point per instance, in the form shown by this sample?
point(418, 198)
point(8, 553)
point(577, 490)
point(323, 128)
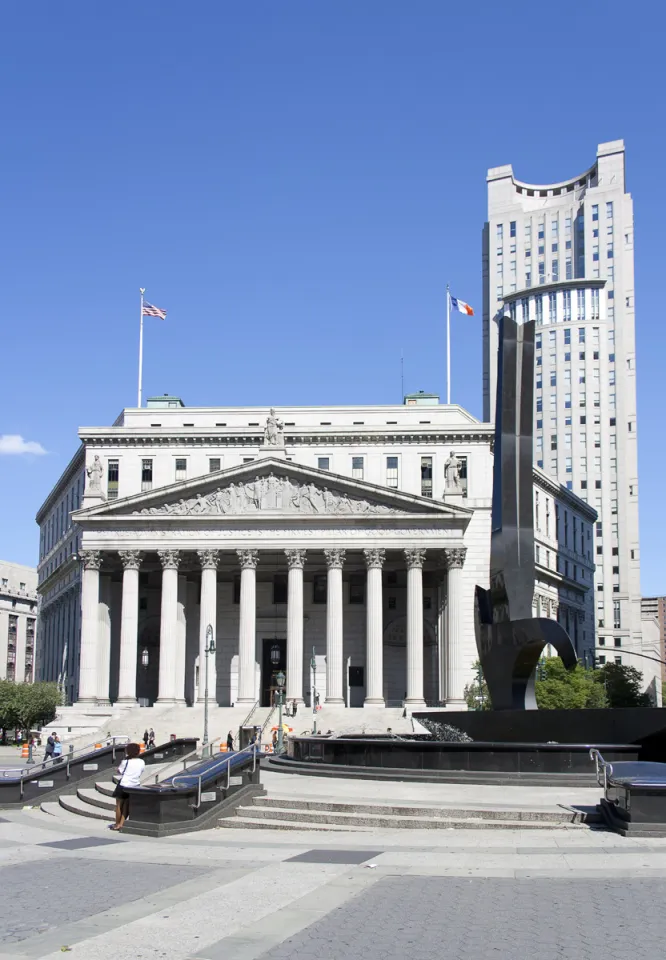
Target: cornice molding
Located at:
point(118, 437)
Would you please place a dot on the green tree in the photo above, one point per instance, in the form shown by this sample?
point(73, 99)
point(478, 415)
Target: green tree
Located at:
point(476, 693)
point(623, 685)
point(560, 689)
point(24, 705)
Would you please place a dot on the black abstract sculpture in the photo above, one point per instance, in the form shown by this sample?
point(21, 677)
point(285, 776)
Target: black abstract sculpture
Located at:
point(509, 639)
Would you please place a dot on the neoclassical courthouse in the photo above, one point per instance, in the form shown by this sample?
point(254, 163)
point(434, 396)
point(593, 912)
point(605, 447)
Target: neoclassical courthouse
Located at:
point(341, 545)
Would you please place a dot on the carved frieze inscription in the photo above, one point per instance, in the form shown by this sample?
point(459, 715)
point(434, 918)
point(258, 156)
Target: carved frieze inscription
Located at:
point(266, 533)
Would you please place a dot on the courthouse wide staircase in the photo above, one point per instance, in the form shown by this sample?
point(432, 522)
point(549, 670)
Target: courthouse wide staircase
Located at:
point(80, 724)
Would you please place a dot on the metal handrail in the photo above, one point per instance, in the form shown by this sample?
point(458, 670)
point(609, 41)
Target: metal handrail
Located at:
point(250, 714)
point(46, 765)
point(15, 774)
point(602, 768)
point(188, 756)
point(267, 720)
point(199, 777)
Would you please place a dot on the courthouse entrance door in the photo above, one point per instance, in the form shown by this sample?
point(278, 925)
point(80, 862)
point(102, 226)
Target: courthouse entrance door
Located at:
point(273, 659)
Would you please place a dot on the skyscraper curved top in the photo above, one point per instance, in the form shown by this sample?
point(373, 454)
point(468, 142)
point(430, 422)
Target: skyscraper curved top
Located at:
point(562, 254)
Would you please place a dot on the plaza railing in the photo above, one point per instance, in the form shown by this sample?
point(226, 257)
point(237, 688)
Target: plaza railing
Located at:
point(64, 760)
point(212, 769)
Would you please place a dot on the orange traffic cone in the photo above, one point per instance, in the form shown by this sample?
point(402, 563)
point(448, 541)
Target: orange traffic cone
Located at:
point(25, 751)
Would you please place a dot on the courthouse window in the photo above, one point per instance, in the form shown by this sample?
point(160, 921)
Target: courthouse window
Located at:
point(112, 480)
point(181, 469)
point(357, 588)
point(280, 588)
point(357, 468)
point(146, 474)
point(426, 476)
point(391, 471)
point(319, 588)
point(324, 463)
point(213, 464)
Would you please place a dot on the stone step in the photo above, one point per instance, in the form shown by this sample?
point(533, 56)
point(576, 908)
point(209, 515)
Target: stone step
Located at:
point(391, 822)
point(74, 804)
point(249, 823)
point(439, 812)
point(106, 788)
point(96, 799)
point(51, 810)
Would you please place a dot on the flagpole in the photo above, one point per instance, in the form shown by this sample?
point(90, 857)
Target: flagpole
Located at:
point(448, 345)
point(142, 290)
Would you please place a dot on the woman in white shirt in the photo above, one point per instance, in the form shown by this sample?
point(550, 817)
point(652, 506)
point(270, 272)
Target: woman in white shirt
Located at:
point(130, 770)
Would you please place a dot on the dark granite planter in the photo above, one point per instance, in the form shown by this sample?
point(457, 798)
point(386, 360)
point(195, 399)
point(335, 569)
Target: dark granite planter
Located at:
point(507, 760)
point(180, 805)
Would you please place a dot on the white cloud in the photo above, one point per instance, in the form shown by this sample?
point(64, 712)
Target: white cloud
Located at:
point(14, 443)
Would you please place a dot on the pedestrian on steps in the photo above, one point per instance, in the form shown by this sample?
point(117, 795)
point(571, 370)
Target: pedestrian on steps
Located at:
point(230, 742)
point(151, 738)
point(130, 770)
point(146, 737)
point(50, 746)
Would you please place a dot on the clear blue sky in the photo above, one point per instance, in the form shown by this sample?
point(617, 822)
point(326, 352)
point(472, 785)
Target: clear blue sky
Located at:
point(295, 181)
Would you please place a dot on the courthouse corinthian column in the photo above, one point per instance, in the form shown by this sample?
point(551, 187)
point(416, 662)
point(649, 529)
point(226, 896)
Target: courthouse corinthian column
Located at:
point(181, 633)
point(296, 561)
point(374, 629)
point(209, 560)
point(247, 628)
point(455, 680)
point(415, 558)
point(335, 560)
point(104, 640)
point(129, 626)
point(88, 681)
point(170, 559)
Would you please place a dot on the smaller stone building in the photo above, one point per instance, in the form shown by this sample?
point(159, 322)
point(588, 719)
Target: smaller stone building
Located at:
point(18, 621)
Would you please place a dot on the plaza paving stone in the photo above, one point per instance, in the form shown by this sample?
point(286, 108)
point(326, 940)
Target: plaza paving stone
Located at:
point(503, 919)
point(235, 895)
point(42, 896)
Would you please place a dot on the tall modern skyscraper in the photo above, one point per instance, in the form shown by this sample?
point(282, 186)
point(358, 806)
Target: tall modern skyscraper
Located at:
point(563, 254)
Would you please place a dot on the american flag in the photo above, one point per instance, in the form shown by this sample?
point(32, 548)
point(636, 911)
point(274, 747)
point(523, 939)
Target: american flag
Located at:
point(150, 311)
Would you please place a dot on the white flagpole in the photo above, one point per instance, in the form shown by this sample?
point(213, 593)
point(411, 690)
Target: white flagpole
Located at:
point(142, 290)
point(448, 345)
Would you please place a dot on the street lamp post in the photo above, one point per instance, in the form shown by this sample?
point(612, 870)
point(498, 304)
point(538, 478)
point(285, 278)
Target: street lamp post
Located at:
point(280, 680)
point(313, 698)
point(209, 648)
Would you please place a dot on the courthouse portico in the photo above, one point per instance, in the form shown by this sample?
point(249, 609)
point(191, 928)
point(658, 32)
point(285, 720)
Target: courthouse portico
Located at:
point(279, 559)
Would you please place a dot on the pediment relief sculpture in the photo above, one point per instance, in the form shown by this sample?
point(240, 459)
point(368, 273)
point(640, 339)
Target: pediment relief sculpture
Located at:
point(272, 493)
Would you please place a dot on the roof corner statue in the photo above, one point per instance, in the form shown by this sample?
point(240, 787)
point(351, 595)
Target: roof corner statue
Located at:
point(509, 640)
point(452, 472)
point(95, 473)
point(273, 431)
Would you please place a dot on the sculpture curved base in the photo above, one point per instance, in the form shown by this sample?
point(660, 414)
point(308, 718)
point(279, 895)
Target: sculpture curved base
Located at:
point(509, 652)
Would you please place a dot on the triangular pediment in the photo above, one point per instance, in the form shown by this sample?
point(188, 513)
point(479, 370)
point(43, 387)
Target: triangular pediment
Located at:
point(269, 486)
